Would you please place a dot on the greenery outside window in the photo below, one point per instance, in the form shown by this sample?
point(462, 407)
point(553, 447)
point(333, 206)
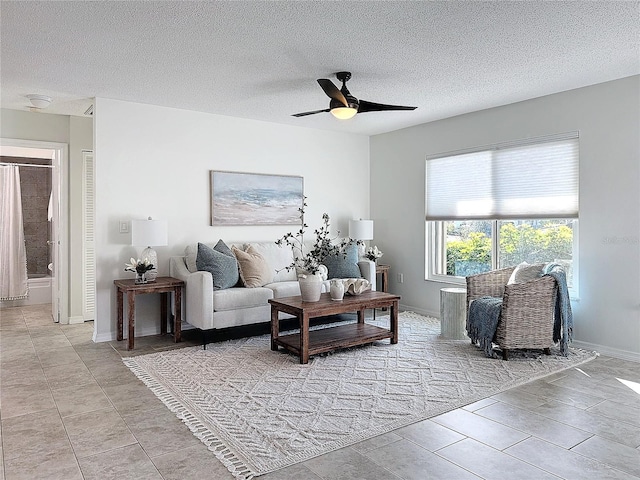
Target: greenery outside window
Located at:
point(498, 206)
point(470, 247)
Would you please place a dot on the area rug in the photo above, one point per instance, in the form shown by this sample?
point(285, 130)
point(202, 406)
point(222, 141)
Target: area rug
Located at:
point(258, 410)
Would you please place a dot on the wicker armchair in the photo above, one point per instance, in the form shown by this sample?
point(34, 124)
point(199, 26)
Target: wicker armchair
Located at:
point(527, 316)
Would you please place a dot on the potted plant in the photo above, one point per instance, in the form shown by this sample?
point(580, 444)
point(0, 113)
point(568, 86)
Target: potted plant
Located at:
point(373, 253)
point(308, 261)
point(140, 267)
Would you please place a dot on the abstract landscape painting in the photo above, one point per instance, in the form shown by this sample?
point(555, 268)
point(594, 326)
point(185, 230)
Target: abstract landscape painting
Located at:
point(255, 199)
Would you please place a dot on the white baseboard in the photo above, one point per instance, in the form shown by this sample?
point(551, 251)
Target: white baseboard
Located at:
point(601, 349)
point(111, 336)
point(105, 337)
point(608, 351)
point(76, 319)
point(426, 313)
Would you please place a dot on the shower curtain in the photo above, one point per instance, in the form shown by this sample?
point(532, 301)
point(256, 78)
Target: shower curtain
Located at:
point(13, 253)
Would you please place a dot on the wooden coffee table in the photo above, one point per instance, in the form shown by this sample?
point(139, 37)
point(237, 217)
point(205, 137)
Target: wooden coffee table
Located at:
point(308, 343)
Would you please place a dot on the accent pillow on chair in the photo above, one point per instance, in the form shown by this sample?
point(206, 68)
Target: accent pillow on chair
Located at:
point(223, 267)
point(525, 273)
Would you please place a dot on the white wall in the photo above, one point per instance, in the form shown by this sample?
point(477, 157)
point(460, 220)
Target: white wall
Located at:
point(155, 161)
point(607, 315)
point(34, 126)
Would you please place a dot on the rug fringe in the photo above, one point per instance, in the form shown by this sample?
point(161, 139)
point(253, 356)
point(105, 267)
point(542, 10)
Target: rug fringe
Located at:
point(234, 465)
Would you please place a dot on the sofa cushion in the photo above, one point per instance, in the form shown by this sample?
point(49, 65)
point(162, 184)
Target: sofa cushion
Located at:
point(278, 257)
point(284, 289)
point(344, 266)
point(223, 268)
point(254, 269)
point(240, 297)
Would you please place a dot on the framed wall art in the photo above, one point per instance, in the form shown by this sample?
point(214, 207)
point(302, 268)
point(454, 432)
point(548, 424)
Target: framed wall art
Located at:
point(255, 199)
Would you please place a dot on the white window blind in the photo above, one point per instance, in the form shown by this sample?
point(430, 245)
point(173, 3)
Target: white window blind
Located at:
point(533, 178)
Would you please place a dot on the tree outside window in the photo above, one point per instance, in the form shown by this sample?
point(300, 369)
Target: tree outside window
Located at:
point(469, 244)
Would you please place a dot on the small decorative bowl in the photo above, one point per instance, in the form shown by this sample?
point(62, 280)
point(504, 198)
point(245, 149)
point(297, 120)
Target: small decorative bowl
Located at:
point(355, 286)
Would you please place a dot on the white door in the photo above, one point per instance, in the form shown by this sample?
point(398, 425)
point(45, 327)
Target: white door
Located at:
point(54, 236)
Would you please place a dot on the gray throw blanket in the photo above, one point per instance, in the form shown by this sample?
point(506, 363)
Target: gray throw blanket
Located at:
point(563, 318)
point(484, 315)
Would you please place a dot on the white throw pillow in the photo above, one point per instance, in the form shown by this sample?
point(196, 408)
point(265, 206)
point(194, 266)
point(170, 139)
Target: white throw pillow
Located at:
point(525, 273)
point(191, 252)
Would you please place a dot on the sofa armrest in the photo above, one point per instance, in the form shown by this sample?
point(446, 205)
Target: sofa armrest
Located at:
point(368, 271)
point(198, 294)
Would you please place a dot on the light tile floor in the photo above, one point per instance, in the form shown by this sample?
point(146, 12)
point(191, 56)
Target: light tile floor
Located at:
point(70, 409)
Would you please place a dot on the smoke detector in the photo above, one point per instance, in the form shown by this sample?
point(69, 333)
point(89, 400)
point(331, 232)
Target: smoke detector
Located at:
point(39, 101)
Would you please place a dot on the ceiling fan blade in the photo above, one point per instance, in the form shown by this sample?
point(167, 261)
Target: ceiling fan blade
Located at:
point(332, 91)
point(379, 107)
point(304, 114)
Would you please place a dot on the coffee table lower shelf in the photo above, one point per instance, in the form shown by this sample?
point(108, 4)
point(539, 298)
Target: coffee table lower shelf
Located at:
point(330, 338)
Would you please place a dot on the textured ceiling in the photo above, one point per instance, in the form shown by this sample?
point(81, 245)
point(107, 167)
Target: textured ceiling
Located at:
point(260, 60)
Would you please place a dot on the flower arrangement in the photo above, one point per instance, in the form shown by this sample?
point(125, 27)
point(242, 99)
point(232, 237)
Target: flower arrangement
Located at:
point(310, 263)
point(138, 266)
point(373, 253)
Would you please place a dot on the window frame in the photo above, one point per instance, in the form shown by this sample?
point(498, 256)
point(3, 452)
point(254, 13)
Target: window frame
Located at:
point(435, 253)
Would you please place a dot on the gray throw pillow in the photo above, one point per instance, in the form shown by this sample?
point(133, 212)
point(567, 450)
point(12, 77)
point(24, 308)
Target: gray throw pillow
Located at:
point(223, 267)
point(223, 248)
point(343, 266)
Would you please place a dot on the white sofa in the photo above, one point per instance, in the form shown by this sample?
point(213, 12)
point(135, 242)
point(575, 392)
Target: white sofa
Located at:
point(206, 308)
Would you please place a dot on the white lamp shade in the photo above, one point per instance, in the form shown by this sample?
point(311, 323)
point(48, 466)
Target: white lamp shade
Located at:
point(361, 229)
point(149, 233)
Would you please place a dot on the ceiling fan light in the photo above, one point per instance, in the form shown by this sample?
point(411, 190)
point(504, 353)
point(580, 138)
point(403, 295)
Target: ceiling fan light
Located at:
point(344, 113)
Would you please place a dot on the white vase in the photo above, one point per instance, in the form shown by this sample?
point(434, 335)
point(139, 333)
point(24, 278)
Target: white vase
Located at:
point(151, 255)
point(310, 287)
point(336, 290)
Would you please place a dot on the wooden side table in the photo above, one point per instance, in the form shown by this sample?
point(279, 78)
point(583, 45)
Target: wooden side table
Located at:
point(383, 271)
point(163, 286)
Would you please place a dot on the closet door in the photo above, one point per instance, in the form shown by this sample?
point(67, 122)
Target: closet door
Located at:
point(88, 232)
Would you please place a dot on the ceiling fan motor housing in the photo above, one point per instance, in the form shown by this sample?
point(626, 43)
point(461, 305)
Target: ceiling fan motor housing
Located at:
point(342, 96)
point(351, 101)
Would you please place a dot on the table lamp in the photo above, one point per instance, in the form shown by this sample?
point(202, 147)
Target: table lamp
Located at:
point(147, 233)
point(361, 230)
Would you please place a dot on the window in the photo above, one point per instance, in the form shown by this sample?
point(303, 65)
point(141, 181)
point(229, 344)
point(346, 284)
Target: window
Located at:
point(498, 206)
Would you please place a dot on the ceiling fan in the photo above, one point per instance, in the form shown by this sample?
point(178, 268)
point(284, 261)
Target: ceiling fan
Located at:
point(343, 105)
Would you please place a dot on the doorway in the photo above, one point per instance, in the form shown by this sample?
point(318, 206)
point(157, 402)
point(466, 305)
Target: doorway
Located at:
point(45, 165)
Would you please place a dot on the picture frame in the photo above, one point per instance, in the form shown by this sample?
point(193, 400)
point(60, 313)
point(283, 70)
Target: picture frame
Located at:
point(239, 198)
